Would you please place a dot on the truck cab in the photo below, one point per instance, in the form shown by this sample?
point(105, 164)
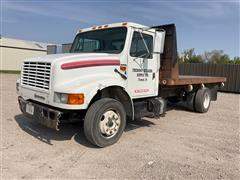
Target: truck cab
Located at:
point(113, 72)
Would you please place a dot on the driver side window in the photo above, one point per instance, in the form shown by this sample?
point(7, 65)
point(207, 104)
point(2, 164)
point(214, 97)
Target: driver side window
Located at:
point(138, 48)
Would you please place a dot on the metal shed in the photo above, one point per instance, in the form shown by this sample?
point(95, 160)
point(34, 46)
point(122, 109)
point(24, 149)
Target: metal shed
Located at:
point(14, 51)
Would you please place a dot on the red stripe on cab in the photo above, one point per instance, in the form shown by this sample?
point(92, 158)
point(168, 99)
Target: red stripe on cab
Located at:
point(82, 64)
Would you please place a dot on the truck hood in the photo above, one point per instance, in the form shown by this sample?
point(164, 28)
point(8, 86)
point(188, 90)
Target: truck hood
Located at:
point(71, 57)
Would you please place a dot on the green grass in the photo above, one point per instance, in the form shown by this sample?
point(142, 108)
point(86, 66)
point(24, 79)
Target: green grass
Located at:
point(10, 71)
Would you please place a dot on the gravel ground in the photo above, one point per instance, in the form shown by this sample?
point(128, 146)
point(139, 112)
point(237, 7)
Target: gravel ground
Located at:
point(181, 145)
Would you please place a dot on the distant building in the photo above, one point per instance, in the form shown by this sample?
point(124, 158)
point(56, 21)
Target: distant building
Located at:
point(13, 52)
point(59, 48)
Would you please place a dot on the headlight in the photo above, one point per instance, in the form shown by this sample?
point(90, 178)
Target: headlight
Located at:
point(61, 98)
point(69, 98)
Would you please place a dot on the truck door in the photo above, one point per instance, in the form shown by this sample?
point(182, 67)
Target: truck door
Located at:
point(142, 65)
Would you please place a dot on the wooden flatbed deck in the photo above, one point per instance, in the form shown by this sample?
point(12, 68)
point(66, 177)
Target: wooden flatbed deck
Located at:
point(185, 80)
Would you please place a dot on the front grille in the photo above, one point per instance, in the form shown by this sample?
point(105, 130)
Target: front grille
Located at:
point(36, 74)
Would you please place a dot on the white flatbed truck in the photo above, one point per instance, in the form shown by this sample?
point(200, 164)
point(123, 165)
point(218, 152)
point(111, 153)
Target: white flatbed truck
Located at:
point(113, 72)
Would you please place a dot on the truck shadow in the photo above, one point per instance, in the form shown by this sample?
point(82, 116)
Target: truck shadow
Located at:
point(180, 106)
point(68, 131)
point(46, 135)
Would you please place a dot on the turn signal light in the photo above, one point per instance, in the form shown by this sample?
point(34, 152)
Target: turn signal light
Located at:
point(75, 98)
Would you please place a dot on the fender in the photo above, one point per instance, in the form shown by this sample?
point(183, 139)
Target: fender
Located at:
point(90, 84)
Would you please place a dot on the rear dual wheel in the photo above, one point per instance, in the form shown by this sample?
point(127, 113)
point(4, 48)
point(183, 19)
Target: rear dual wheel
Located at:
point(104, 122)
point(199, 101)
point(202, 100)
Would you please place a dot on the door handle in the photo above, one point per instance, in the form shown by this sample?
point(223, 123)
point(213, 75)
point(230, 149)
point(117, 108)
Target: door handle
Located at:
point(153, 76)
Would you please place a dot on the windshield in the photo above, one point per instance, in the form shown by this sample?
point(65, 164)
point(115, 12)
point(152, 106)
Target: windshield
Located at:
point(100, 41)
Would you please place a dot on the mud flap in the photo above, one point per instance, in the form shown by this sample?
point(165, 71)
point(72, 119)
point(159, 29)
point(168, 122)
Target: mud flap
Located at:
point(41, 114)
point(214, 93)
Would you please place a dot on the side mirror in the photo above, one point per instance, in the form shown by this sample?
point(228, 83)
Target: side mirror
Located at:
point(159, 42)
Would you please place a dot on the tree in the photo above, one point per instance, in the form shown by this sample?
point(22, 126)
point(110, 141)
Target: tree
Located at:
point(236, 60)
point(214, 57)
point(189, 56)
point(217, 57)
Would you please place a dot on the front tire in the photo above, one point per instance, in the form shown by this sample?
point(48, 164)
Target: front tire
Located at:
point(105, 122)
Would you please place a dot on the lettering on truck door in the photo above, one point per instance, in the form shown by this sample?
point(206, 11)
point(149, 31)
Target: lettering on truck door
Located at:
point(142, 65)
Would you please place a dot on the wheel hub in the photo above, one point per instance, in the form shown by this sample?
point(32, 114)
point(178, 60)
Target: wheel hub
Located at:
point(110, 123)
point(206, 100)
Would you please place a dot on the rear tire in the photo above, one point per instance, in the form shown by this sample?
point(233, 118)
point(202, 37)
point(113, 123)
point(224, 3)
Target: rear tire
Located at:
point(190, 101)
point(202, 100)
point(105, 122)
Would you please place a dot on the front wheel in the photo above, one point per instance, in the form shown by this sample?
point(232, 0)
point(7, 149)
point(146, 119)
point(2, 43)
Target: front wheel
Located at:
point(104, 122)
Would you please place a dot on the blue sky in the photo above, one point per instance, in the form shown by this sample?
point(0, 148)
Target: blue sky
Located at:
point(203, 25)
